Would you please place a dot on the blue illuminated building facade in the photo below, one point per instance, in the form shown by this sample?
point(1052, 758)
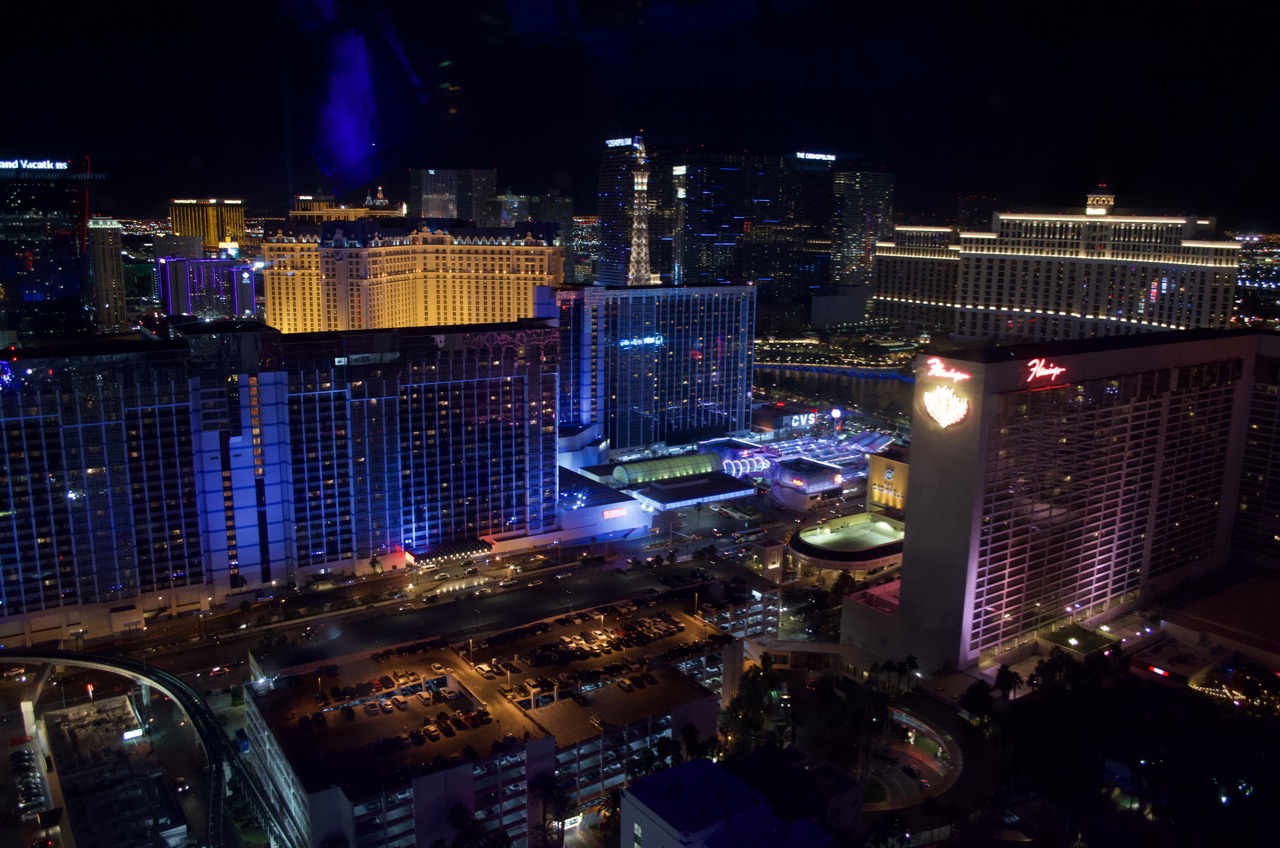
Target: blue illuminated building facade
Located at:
point(166, 474)
point(98, 496)
point(661, 365)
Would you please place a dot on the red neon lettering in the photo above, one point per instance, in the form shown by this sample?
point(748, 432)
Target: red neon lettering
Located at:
point(937, 369)
point(1043, 368)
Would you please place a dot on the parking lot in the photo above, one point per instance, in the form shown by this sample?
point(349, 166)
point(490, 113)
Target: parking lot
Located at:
point(426, 706)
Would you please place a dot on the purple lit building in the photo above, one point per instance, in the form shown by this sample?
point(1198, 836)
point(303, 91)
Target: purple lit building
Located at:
point(208, 288)
point(1067, 483)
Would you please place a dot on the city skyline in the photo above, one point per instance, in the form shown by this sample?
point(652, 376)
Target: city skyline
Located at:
point(951, 103)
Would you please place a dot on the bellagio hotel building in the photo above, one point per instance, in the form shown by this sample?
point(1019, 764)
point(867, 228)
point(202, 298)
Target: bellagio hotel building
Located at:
point(1038, 277)
point(354, 278)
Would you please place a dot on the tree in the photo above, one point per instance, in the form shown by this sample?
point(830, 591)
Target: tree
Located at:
point(693, 744)
point(467, 830)
point(910, 664)
point(1008, 682)
point(375, 564)
point(977, 701)
point(668, 752)
point(610, 808)
point(892, 667)
point(555, 807)
point(843, 586)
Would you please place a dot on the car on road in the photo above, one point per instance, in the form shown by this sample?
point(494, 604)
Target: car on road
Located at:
point(431, 599)
point(924, 784)
point(443, 576)
point(911, 771)
point(437, 668)
point(503, 584)
point(535, 583)
point(471, 571)
point(564, 574)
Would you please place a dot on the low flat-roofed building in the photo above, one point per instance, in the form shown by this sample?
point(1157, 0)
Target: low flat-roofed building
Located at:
point(116, 795)
point(803, 483)
point(378, 775)
point(698, 803)
point(865, 544)
point(681, 492)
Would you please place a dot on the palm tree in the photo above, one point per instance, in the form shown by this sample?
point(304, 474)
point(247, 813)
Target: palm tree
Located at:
point(1008, 682)
point(555, 806)
point(468, 833)
point(693, 744)
point(667, 751)
point(976, 700)
point(910, 664)
point(610, 809)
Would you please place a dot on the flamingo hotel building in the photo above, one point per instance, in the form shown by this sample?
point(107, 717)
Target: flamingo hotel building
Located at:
point(1070, 482)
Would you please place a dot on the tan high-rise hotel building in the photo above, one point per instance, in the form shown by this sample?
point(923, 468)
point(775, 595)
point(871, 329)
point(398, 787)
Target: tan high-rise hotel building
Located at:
point(422, 279)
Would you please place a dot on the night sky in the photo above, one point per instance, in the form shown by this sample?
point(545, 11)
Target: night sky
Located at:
point(1166, 103)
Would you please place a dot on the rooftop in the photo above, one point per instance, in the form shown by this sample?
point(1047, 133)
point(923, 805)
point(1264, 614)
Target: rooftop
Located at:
point(1008, 353)
point(695, 795)
point(1245, 613)
point(699, 488)
point(854, 536)
point(362, 751)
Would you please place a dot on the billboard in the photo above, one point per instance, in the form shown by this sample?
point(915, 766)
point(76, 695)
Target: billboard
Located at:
point(886, 482)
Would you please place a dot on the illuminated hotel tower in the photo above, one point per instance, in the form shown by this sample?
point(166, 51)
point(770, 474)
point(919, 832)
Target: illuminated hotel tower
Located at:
point(213, 221)
point(106, 274)
point(358, 275)
point(1060, 276)
point(638, 272)
point(1067, 482)
point(654, 364)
